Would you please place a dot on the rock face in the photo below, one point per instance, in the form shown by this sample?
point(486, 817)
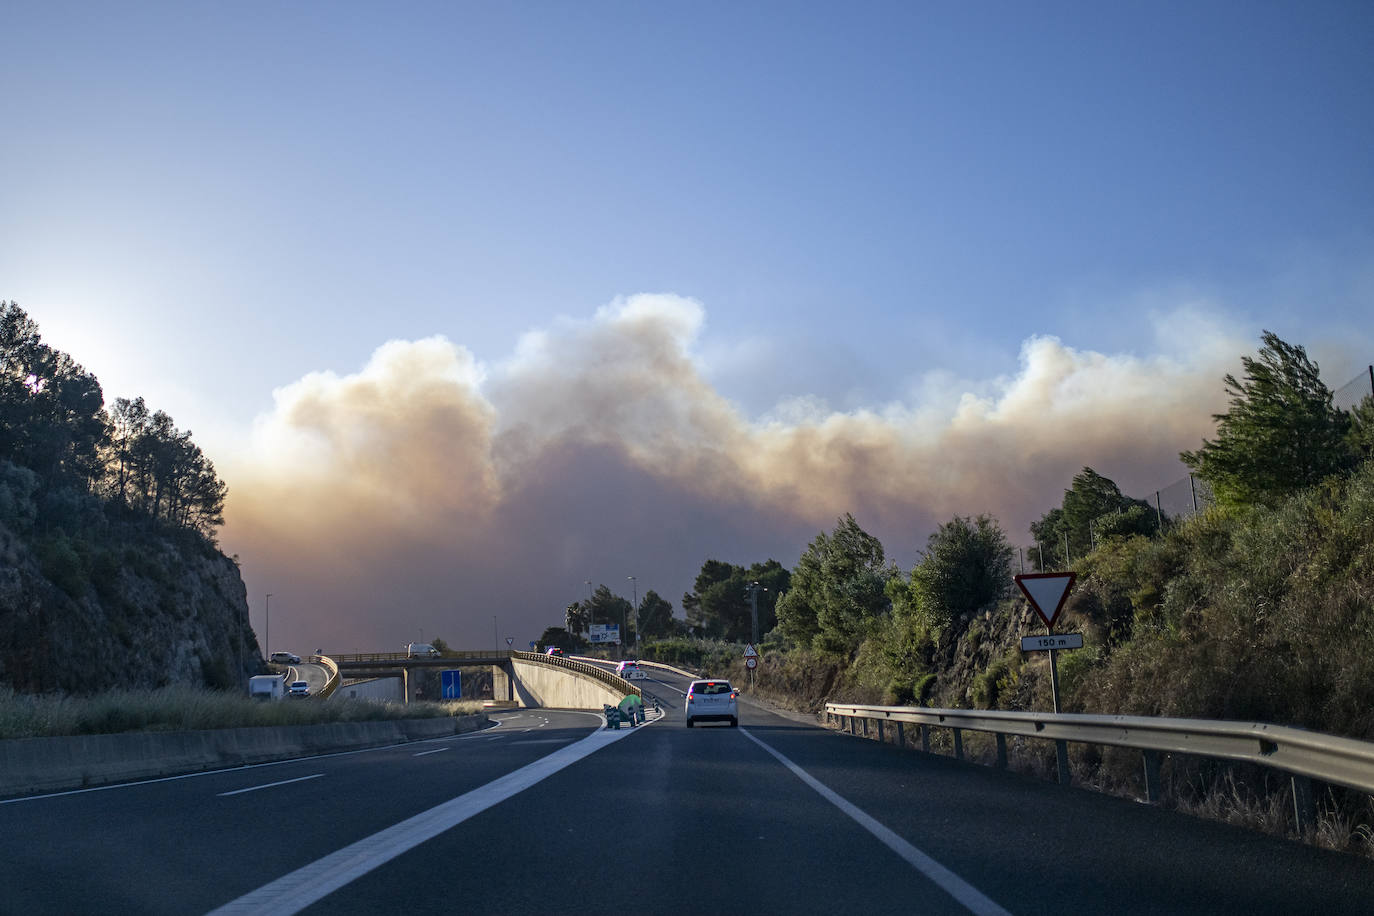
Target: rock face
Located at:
point(127, 606)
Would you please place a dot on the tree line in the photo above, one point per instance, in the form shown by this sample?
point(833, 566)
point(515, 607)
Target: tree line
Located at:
point(60, 446)
point(1280, 436)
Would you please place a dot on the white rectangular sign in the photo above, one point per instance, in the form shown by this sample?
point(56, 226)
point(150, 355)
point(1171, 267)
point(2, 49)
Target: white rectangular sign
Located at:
point(1056, 641)
point(602, 633)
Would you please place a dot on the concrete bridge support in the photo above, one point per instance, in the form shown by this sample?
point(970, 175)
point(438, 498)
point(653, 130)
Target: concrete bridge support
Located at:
point(410, 685)
point(502, 689)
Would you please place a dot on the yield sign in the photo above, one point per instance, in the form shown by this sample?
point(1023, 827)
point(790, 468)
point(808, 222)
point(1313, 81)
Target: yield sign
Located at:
point(1046, 592)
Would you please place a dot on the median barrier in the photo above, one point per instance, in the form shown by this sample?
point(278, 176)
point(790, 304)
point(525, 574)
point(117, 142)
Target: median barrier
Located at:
point(29, 765)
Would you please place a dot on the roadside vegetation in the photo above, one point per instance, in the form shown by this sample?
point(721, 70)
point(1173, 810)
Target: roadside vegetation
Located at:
point(1259, 608)
point(191, 709)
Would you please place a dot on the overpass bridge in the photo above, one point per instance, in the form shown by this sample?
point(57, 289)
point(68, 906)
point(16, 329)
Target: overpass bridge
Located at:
point(527, 679)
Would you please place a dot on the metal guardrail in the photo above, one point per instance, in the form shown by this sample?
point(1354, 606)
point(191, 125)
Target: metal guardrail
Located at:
point(614, 681)
point(332, 684)
point(402, 656)
point(1302, 754)
point(643, 663)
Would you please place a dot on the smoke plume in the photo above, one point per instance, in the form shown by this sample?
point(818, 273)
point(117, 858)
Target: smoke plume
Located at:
point(430, 495)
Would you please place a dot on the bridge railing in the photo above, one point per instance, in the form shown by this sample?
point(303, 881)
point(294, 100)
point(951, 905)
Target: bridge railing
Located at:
point(332, 684)
point(402, 656)
point(1304, 755)
point(614, 681)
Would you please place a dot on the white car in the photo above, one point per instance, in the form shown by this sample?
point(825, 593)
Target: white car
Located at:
point(712, 701)
point(629, 670)
point(300, 689)
point(285, 658)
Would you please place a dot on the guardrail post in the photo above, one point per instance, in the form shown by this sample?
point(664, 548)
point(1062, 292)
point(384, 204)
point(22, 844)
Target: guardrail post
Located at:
point(1061, 754)
point(1001, 751)
point(865, 726)
point(1152, 792)
point(925, 738)
point(1304, 804)
point(958, 744)
point(880, 731)
point(853, 728)
point(901, 736)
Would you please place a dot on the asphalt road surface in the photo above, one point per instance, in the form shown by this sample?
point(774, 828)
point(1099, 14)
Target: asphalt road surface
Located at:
point(550, 812)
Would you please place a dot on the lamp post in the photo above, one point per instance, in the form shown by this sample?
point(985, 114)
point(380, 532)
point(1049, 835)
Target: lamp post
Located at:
point(590, 618)
point(752, 591)
point(634, 590)
point(267, 636)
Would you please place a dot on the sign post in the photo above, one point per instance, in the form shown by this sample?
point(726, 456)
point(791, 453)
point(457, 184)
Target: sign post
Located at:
point(751, 661)
point(1046, 593)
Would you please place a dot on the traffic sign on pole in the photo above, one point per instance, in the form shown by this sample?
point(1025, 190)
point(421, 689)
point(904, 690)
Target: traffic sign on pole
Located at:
point(750, 651)
point(751, 661)
point(1053, 641)
point(1046, 592)
point(510, 640)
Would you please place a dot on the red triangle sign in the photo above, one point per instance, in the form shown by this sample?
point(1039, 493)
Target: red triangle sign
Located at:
point(1046, 592)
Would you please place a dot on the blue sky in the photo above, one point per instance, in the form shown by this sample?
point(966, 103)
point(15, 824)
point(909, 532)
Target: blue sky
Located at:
point(875, 206)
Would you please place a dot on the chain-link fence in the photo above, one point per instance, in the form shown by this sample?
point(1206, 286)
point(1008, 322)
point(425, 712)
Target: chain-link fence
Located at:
point(1349, 395)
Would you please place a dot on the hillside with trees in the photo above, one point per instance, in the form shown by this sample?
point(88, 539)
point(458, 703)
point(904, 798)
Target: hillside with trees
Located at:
point(1259, 608)
point(109, 570)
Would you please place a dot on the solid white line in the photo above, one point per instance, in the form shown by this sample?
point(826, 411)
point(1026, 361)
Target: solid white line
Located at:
point(294, 892)
point(246, 766)
point(948, 881)
point(269, 785)
point(437, 750)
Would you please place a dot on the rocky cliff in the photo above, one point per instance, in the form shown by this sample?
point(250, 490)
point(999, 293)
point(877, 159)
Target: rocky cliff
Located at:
point(127, 605)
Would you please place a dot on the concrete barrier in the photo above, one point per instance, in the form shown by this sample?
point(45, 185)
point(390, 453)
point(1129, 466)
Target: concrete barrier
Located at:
point(29, 765)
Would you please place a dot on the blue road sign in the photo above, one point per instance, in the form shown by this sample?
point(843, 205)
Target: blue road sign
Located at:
point(453, 686)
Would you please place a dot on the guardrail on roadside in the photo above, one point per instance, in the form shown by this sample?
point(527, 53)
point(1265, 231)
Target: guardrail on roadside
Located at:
point(332, 684)
point(614, 681)
point(1304, 755)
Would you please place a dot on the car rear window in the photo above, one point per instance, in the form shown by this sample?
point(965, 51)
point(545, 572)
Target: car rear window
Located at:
point(712, 687)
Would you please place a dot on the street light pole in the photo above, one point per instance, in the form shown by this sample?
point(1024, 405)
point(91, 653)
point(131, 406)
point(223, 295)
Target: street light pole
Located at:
point(634, 590)
point(753, 592)
point(590, 619)
point(267, 636)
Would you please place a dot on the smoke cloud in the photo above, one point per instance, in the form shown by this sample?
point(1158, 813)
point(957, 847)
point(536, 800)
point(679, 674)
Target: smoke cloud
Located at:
point(430, 495)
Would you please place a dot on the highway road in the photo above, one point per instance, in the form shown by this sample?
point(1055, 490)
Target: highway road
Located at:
point(549, 812)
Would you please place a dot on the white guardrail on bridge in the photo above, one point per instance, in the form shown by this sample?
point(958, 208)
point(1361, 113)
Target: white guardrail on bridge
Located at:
point(614, 681)
point(1302, 754)
point(332, 684)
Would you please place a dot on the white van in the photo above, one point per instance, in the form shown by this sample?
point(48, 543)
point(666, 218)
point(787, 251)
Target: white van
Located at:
point(421, 650)
point(267, 686)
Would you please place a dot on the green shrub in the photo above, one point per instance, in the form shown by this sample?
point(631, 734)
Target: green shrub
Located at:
point(62, 565)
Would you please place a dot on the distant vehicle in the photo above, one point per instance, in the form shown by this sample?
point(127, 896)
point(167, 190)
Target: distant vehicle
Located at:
point(712, 701)
point(300, 689)
point(422, 650)
point(554, 650)
point(285, 658)
point(267, 686)
point(629, 670)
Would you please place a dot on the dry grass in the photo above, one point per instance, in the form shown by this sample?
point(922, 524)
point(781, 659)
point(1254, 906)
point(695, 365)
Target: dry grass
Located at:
point(189, 709)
